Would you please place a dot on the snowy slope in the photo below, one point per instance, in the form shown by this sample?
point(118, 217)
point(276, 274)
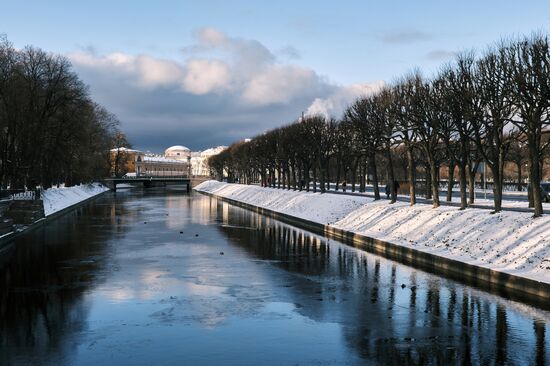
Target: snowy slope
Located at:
point(56, 199)
point(511, 242)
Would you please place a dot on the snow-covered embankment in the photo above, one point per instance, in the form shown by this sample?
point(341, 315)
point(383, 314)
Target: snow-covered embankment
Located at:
point(56, 199)
point(510, 242)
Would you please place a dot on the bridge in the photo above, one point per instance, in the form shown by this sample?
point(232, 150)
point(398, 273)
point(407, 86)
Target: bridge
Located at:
point(149, 182)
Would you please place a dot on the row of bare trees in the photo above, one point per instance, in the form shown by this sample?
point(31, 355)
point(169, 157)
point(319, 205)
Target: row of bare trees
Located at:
point(50, 130)
point(486, 109)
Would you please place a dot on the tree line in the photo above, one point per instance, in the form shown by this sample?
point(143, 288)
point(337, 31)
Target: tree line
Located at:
point(492, 108)
point(52, 132)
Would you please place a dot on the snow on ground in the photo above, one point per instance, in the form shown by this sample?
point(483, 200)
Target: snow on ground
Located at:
point(56, 199)
point(507, 202)
point(511, 242)
point(323, 208)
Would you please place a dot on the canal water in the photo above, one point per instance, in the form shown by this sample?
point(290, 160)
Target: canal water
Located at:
point(166, 278)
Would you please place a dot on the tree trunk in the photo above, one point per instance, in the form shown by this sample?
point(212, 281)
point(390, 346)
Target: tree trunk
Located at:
point(497, 186)
point(374, 170)
point(428, 181)
point(535, 178)
point(410, 176)
point(353, 176)
point(391, 176)
point(471, 185)
point(327, 175)
point(338, 171)
point(435, 183)
point(518, 164)
point(307, 182)
point(321, 178)
point(462, 184)
point(293, 169)
point(314, 179)
point(362, 183)
point(451, 180)
point(345, 176)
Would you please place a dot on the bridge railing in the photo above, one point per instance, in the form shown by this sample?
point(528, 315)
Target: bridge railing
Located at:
point(20, 194)
point(143, 176)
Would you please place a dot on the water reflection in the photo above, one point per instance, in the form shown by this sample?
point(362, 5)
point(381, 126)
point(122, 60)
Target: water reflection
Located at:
point(392, 314)
point(44, 277)
point(161, 277)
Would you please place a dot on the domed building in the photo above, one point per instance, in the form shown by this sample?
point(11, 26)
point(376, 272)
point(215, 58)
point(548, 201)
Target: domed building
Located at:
point(178, 152)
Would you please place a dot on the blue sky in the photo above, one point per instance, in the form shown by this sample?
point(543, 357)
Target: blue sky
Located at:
point(333, 49)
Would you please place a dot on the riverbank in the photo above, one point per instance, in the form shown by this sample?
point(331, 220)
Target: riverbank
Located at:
point(58, 201)
point(511, 243)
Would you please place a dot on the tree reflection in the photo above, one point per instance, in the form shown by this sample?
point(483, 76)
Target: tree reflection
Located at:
point(389, 313)
point(42, 283)
point(540, 345)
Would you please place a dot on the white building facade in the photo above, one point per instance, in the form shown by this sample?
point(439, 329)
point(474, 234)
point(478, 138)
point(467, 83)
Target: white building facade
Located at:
point(177, 161)
point(199, 160)
point(149, 165)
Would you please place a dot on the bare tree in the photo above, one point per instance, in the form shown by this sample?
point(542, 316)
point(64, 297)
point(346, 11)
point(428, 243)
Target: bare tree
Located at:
point(427, 117)
point(530, 68)
point(492, 86)
point(518, 155)
point(370, 136)
point(402, 110)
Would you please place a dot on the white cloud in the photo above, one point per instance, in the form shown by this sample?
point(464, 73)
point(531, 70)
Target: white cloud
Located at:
point(210, 36)
point(334, 104)
point(245, 68)
point(280, 84)
point(154, 72)
point(205, 76)
point(223, 88)
point(146, 71)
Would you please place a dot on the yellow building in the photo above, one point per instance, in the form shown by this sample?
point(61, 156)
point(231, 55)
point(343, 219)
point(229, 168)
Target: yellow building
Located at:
point(123, 161)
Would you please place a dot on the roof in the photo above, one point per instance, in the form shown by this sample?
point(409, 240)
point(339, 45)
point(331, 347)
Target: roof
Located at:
point(213, 151)
point(124, 149)
point(161, 159)
point(177, 147)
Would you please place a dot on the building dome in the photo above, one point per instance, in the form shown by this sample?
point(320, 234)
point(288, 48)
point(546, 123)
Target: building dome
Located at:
point(178, 147)
point(177, 152)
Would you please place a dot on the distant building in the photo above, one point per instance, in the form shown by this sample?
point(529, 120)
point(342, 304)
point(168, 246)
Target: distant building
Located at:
point(160, 166)
point(123, 160)
point(199, 160)
point(177, 152)
point(177, 161)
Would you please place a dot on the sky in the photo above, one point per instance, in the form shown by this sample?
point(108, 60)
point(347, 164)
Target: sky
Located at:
point(207, 73)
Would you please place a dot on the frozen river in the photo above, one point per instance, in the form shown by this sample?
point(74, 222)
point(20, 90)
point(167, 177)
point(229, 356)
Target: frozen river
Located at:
point(165, 278)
